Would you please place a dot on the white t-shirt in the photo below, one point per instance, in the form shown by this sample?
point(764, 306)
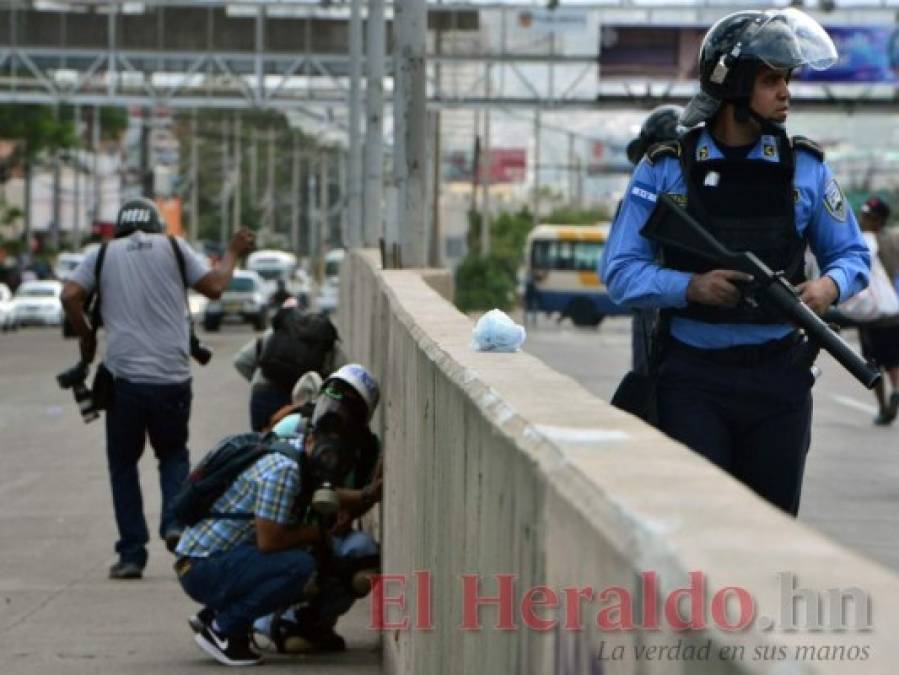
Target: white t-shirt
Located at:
point(143, 306)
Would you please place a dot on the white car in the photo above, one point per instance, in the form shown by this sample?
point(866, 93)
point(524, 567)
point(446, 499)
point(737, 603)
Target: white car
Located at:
point(243, 301)
point(7, 320)
point(37, 302)
point(66, 264)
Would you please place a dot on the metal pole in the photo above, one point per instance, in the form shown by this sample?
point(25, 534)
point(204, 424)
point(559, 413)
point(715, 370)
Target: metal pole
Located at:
point(436, 259)
point(223, 224)
point(410, 21)
point(323, 238)
point(98, 181)
point(236, 213)
point(76, 199)
point(537, 166)
point(269, 219)
point(374, 125)
point(295, 195)
point(254, 164)
point(146, 165)
point(311, 229)
point(486, 167)
point(259, 45)
point(194, 177)
point(571, 174)
point(57, 212)
point(344, 200)
point(354, 175)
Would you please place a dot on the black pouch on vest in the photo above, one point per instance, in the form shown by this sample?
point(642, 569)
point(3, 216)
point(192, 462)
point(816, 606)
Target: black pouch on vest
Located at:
point(102, 387)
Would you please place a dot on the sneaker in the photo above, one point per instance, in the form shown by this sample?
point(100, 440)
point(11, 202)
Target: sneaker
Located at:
point(229, 651)
point(126, 570)
point(893, 406)
point(171, 538)
point(201, 619)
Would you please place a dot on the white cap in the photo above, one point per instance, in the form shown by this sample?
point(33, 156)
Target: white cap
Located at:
point(358, 377)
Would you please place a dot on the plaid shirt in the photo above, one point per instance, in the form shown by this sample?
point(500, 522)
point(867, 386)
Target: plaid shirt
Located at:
point(267, 489)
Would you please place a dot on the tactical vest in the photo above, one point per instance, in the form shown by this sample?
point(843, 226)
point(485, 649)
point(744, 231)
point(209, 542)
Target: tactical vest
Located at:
point(748, 205)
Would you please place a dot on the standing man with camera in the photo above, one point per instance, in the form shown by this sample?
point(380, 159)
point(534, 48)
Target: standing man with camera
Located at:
point(142, 303)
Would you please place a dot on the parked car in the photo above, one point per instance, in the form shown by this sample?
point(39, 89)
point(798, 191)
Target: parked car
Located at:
point(66, 264)
point(243, 301)
point(37, 302)
point(7, 319)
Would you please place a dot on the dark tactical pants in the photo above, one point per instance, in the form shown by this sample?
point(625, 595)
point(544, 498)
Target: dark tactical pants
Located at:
point(747, 409)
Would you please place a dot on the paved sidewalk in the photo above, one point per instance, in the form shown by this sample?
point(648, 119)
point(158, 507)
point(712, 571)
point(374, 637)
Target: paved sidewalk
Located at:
point(58, 611)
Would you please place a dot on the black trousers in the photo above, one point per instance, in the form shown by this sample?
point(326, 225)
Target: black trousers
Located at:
point(748, 410)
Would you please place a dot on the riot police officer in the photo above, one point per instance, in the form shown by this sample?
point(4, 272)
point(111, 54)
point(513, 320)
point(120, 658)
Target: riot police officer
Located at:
point(729, 385)
point(662, 124)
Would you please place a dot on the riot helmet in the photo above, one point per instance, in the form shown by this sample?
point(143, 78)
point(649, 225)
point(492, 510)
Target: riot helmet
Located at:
point(736, 47)
point(662, 124)
point(138, 214)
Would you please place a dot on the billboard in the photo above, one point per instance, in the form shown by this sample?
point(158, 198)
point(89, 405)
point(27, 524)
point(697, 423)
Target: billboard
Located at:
point(507, 165)
point(866, 53)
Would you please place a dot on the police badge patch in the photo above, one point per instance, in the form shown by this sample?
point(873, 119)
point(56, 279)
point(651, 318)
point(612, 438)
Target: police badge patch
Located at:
point(702, 153)
point(834, 201)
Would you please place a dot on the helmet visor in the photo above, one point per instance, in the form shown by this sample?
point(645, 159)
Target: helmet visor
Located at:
point(787, 39)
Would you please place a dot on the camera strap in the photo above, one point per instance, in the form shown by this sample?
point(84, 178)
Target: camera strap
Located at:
point(94, 302)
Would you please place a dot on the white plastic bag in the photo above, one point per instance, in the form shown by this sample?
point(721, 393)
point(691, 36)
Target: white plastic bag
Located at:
point(879, 299)
point(496, 332)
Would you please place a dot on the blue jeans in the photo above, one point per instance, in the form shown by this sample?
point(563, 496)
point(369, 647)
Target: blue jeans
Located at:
point(162, 412)
point(243, 584)
point(333, 599)
point(265, 402)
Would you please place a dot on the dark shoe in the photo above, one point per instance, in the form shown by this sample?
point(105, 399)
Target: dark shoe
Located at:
point(126, 570)
point(893, 406)
point(229, 651)
point(314, 641)
point(171, 538)
point(201, 619)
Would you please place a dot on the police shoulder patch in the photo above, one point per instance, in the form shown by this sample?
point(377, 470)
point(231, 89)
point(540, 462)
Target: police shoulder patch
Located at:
point(834, 201)
point(664, 149)
point(803, 143)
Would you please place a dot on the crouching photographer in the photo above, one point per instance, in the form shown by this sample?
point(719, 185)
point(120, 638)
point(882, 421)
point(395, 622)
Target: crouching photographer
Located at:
point(346, 400)
point(267, 539)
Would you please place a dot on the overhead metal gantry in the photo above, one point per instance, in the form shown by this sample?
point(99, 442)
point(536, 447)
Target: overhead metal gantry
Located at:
point(293, 55)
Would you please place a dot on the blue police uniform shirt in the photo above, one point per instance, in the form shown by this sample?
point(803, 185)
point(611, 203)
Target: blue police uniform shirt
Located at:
point(634, 278)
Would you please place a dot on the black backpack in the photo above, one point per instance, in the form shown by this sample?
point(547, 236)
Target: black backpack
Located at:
point(218, 469)
point(300, 342)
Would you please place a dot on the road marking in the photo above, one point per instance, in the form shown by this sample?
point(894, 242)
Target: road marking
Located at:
point(852, 403)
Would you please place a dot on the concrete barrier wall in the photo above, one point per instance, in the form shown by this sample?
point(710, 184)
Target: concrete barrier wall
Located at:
point(496, 464)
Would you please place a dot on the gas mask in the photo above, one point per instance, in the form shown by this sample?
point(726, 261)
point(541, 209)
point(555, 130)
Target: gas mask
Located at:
point(330, 457)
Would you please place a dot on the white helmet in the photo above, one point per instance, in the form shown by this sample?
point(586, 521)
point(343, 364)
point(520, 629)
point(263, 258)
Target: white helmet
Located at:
point(362, 381)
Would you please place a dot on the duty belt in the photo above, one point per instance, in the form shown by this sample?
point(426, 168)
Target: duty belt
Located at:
point(741, 355)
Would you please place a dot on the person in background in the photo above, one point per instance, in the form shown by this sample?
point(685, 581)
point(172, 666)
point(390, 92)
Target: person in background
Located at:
point(880, 339)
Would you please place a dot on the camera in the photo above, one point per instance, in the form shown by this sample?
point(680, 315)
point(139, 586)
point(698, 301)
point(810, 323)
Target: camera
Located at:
point(200, 352)
point(74, 378)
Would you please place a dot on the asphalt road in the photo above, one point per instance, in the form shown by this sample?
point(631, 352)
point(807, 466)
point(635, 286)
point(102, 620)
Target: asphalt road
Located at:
point(851, 489)
point(58, 611)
